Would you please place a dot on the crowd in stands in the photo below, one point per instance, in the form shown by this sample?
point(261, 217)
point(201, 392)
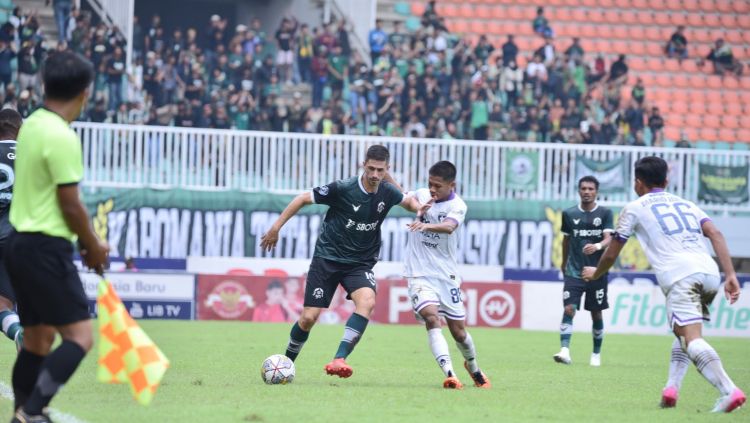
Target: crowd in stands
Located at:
point(425, 83)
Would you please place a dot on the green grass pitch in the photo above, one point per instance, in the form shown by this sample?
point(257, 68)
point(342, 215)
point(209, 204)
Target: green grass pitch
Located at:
point(215, 377)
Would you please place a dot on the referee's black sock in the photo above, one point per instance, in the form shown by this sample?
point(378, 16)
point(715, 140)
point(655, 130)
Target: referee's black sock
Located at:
point(25, 373)
point(56, 370)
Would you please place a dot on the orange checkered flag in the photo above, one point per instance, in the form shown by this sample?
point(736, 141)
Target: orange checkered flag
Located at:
point(126, 353)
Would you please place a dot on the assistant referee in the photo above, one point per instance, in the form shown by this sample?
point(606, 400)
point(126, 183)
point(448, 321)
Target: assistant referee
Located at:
point(48, 216)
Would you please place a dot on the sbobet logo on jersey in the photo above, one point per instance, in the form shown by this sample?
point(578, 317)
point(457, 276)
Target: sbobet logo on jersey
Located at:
point(486, 304)
point(642, 310)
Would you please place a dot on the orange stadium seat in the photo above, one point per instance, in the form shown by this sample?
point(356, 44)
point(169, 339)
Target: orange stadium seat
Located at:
point(711, 121)
point(677, 18)
point(590, 3)
point(466, 10)
point(726, 5)
point(678, 107)
point(672, 65)
point(695, 19)
point(697, 109)
point(620, 31)
point(611, 16)
point(745, 98)
point(595, 15)
point(448, 10)
point(562, 14)
point(691, 133)
point(689, 66)
point(672, 132)
point(477, 26)
point(728, 21)
point(417, 8)
point(691, 5)
point(731, 83)
point(514, 12)
point(652, 33)
point(498, 12)
point(680, 80)
point(743, 135)
point(697, 96)
point(658, 4)
point(730, 96)
point(644, 17)
point(654, 48)
point(577, 14)
point(698, 81)
point(640, 4)
point(629, 17)
point(730, 121)
point(713, 81)
point(679, 95)
point(726, 134)
point(482, 12)
point(708, 134)
point(744, 20)
point(741, 6)
point(745, 83)
point(661, 18)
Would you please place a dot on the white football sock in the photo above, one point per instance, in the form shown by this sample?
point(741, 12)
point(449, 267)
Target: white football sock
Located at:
point(469, 353)
point(709, 365)
point(678, 365)
point(439, 348)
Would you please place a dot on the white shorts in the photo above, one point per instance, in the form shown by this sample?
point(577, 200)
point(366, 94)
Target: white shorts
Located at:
point(688, 299)
point(442, 292)
point(284, 57)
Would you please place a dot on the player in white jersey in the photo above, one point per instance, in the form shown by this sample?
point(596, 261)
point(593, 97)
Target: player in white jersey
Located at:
point(671, 230)
point(432, 272)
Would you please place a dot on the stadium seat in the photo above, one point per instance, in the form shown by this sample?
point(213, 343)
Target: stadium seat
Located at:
point(668, 143)
point(704, 145)
point(723, 145)
point(413, 23)
point(708, 134)
point(740, 146)
point(671, 133)
point(677, 19)
point(725, 5)
point(466, 11)
point(662, 18)
point(644, 17)
point(711, 121)
point(691, 5)
point(402, 8)
point(417, 8)
point(679, 80)
point(743, 135)
point(678, 107)
point(733, 109)
point(741, 6)
point(694, 19)
point(711, 19)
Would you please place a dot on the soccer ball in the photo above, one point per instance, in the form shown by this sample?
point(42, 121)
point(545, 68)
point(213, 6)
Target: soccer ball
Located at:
point(277, 370)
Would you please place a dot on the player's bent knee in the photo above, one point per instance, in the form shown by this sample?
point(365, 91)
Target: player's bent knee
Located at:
point(432, 321)
point(570, 310)
point(308, 318)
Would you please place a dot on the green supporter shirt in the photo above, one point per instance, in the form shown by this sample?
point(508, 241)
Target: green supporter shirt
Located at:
point(480, 114)
point(48, 155)
point(581, 228)
point(350, 232)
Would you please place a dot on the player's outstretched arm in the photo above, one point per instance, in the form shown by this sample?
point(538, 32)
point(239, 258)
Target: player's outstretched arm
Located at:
point(731, 285)
point(269, 239)
point(608, 259)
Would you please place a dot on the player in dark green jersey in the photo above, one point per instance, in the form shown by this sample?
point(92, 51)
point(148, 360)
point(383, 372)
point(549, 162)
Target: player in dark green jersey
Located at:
point(346, 250)
point(10, 124)
point(587, 230)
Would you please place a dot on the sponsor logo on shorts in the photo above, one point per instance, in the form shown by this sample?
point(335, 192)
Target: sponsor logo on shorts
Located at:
point(600, 295)
point(370, 277)
point(566, 295)
point(229, 299)
point(318, 293)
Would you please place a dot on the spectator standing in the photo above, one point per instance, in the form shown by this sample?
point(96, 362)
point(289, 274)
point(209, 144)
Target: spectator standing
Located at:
point(510, 51)
point(656, 124)
point(618, 72)
point(62, 16)
point(305, 53)
point(115, 72)
point(284, 54)
point(320, 76)
point(7, 53)
point(377, 39)
point(639, 92)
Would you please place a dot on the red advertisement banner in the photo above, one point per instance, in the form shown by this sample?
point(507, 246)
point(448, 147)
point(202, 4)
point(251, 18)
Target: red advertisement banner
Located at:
point(280, 299)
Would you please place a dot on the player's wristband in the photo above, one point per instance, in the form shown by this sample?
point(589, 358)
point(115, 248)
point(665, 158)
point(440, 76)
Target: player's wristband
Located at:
point(598, 246)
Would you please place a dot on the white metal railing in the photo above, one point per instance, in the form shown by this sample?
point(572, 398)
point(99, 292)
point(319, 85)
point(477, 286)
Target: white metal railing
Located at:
point(128, 156)
point(120, 13)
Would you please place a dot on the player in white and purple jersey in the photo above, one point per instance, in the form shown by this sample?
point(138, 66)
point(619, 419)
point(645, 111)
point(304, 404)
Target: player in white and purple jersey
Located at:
point(671, 230)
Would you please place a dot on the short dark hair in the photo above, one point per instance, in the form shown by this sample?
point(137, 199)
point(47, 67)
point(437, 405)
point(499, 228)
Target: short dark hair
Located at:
point(10, 124)
point(378, 153)
point(589, 178)
point(274, 284)
point(652, 171)
point(445, 170)
point(66, 75)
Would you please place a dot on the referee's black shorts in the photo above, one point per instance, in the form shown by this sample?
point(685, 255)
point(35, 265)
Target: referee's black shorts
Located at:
point(45, 280)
